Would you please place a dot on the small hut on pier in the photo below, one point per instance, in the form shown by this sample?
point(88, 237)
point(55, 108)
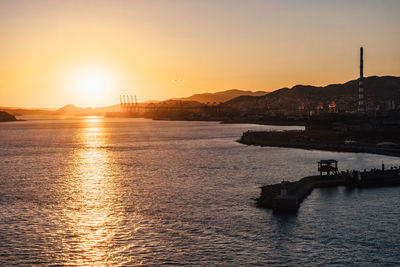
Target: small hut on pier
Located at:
point(328, 166)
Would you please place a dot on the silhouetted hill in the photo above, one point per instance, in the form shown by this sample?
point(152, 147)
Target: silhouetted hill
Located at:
point(68, 109)
point(72, 110)
point(380, 92)
point(5, 116)
point(220, 96)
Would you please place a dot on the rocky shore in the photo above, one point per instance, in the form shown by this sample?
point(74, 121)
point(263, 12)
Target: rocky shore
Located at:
point(5, 116)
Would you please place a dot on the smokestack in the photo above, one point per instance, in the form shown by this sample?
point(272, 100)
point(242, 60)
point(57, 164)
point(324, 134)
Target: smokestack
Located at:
point(361, 103)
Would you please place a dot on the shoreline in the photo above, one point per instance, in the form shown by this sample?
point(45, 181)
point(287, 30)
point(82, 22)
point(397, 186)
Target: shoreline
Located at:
point(6, 117)
point(262, 139)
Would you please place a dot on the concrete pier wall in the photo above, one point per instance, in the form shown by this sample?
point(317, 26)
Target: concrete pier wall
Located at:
point(297, 191)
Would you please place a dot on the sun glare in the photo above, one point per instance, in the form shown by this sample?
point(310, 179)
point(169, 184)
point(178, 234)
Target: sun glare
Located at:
point(92, 85)
point(93, 81)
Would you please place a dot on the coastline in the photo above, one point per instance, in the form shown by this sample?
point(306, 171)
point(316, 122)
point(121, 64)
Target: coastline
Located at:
point(282, 139)
point(6, 117)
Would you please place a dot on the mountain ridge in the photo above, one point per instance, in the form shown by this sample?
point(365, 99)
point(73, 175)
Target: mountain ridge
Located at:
point(219, 97)
point(378, 89)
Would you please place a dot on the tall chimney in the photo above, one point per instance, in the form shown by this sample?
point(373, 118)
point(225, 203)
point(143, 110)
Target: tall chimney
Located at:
point(361, 103)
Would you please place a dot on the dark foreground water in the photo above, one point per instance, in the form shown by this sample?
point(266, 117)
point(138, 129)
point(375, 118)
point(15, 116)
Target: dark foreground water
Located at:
point(127, 192)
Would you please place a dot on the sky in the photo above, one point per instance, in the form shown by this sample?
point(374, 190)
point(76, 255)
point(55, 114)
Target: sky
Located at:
point(88, 53)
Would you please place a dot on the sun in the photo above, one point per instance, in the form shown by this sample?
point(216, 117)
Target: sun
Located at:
point(93, 84)
point(93, 81)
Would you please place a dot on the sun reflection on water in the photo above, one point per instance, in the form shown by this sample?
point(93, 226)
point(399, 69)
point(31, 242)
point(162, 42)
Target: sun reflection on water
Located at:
point(89, 119)
point(91, 196)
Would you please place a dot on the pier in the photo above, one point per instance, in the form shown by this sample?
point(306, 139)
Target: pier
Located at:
point(287, 196)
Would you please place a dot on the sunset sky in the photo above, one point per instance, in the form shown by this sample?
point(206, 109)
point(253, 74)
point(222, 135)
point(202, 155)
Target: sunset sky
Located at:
point(87, 53)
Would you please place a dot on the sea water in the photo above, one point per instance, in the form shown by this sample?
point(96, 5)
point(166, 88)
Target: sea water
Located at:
point(95, 191)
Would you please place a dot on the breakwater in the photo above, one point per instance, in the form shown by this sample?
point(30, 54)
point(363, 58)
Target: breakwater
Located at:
point(301, 139)
point(287, 196)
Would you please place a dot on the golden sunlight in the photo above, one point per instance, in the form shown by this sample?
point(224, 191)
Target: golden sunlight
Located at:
point(93, 83)
point(91, 196)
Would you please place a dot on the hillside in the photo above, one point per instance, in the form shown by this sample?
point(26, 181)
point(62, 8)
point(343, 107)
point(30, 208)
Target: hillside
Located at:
point(72, 110)
point(380, 93)
point(4, 116)
point(220, 97)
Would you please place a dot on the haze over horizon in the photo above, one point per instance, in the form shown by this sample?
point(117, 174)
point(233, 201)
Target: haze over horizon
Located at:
point(88, 53)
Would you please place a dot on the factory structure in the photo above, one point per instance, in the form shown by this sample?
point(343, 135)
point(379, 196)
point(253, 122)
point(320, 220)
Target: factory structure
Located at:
point(387, 105)
point(361, 102)
point(127, 104)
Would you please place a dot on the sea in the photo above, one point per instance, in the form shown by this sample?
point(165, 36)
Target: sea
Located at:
point(95, 191)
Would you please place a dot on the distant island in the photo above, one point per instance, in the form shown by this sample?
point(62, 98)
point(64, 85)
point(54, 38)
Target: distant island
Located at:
point(5, 116)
